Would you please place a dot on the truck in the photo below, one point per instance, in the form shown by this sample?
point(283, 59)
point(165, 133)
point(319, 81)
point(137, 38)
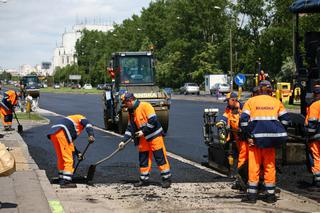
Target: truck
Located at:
point(133, 72)
point(212, 79)
point(31, 85)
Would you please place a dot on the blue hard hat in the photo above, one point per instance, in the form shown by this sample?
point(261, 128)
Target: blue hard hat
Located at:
point(316, 90)
point(127, 96)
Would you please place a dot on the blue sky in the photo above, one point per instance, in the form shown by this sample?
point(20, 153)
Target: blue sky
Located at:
point(30, 29)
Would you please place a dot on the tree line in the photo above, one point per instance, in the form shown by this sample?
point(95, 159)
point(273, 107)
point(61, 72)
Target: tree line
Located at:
point(191, 38)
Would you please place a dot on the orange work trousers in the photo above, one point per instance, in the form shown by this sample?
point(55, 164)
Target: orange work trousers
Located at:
point(64, 152)
point(315, 151)
point(243, 152)
point(265, 157)
point(157, 149)
point(6, 116)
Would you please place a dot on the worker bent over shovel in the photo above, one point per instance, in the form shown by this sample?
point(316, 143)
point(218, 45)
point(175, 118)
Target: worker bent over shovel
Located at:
point(62, 136)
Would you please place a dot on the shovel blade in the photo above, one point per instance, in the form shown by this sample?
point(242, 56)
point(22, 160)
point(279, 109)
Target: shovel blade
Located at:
point(20, 128)
point(91, 171)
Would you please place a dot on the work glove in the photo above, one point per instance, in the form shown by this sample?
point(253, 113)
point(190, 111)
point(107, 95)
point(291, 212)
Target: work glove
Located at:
point(91, 139)
point(80, 156)
point(220, 124)
point(139, 134)
point(121, 145)
point(250, 141)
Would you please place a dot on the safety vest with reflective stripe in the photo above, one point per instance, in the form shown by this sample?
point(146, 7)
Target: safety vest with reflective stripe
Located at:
point(9, 100)
point(264, 119)
point(145, 119)
point(72, 126)
point(312, 120)
point(231, 118)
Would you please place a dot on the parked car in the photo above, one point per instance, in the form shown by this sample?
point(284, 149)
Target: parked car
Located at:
point(221, 88)
point(87, 86)
point(56, 86)
point(76, 86)
point(101, 86)
point(190, 88)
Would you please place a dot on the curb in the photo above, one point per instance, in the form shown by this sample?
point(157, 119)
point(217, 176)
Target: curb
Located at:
point(49, 192)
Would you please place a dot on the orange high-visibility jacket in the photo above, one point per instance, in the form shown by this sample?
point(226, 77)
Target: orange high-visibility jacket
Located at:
point(9, 100)
point(72, 126)
point(264, 119)
point(312, 120)
point(145, 119)
point(231, 119)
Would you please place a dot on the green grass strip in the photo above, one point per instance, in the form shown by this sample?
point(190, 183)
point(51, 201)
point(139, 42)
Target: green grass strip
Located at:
point(32, 116)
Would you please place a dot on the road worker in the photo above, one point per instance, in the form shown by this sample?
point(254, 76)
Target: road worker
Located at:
point(263, 122)
point(9, 101)
point(262, 76)
point(230, 119)
point(312, 123)
point(144, 125)
point(62, 135)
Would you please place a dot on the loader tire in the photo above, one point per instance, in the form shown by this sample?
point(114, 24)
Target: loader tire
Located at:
point(163, 117)
point(123, 122)
point(108, 125)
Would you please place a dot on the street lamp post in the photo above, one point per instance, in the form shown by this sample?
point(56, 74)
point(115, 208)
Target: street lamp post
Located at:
point(231, 53)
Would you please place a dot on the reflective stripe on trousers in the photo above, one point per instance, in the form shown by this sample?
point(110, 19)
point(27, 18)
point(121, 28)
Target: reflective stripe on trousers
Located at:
point(315, 152)
point(157, 149)
point(64, 152)
point(265, 157)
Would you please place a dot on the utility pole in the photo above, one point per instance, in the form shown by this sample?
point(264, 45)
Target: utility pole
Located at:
point(231, 62)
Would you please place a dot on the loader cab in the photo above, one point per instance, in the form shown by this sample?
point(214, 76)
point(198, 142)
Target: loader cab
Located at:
point(134, 68)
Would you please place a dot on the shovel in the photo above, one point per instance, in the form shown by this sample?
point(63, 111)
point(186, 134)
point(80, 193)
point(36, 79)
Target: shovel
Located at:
point(20, 127)
point(79, 161)
point(92, 168)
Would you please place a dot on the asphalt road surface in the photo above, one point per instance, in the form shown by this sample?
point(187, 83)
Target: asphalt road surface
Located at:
point(184, 139)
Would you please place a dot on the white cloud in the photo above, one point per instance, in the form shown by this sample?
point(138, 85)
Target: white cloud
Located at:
point(30, 29)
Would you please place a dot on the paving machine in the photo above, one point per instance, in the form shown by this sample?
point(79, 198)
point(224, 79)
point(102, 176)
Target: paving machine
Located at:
point(133, 72)
point(214, 138)
point(307, 73)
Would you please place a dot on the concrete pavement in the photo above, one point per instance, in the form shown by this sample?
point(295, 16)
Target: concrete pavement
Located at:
point(28, 189)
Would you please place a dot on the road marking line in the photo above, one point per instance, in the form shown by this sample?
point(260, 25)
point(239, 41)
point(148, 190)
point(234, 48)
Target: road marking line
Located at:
point(172, 155)
point(55, 206)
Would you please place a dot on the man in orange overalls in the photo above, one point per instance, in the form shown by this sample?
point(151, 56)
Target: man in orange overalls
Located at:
point(62, 136)
point(263, 121)
point(143, 123)
point(9, 101)
point(230, 119)
point(312, 125)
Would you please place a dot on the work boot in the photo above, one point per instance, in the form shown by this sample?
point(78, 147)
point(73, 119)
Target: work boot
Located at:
point(250, 198)
point(8, 128)
point(67, 184)
point(141, 183)
point(270, 198)
point(166, 183)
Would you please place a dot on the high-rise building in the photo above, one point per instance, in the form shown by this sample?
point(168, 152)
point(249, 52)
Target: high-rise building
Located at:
point(65, 54)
